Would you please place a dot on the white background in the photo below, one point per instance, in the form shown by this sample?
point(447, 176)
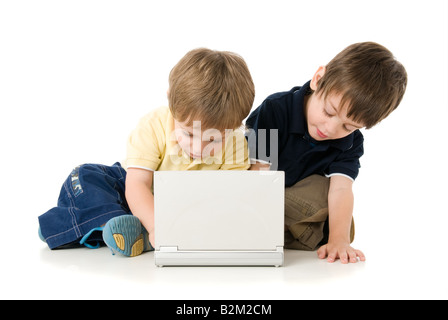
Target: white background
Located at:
point(75, 77)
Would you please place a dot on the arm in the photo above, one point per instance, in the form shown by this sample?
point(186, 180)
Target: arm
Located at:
point(140, 198)
point(260, 166)
point(340, 206)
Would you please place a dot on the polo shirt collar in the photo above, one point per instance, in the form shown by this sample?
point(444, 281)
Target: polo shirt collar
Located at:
point(297, 120)
point(298, 125)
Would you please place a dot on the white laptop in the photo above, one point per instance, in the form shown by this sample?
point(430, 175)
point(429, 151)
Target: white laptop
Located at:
point(219, 218)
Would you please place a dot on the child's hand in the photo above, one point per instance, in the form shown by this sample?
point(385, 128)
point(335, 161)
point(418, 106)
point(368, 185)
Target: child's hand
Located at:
point(341, 250)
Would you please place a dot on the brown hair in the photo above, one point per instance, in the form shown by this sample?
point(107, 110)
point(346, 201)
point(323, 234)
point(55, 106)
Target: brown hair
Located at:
point(370, 80)
point(214, 87)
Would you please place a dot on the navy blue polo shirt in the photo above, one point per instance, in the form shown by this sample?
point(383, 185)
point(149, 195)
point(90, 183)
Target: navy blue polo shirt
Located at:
point(291, 148)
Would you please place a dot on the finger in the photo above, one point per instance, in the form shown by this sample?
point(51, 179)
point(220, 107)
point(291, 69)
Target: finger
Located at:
point(353, 256)
point(332, 256)
point(322, 252)
point(344, 257)
point(360, 255)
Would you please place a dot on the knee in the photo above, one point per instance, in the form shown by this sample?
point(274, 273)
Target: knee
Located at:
point(311, 191)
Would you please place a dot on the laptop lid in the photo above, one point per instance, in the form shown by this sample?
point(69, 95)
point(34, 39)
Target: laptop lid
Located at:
point(219, 210)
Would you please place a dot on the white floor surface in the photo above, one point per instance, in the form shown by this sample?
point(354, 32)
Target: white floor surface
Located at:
point(75, 77)
point(394, 270)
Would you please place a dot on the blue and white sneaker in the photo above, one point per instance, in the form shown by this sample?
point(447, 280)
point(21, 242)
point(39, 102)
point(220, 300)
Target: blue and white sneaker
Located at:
point(126, 235)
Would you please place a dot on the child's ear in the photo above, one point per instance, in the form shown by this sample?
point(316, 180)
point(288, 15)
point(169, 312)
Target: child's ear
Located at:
point(317, 76)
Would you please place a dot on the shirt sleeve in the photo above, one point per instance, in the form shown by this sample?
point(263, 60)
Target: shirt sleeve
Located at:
point(348, 164)
point(145, 144)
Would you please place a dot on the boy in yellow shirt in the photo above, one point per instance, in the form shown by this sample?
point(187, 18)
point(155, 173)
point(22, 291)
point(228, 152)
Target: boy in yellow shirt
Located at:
point(210, 93)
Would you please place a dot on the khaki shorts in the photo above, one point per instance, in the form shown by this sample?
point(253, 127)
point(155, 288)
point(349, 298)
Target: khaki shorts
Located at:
point(306, 214)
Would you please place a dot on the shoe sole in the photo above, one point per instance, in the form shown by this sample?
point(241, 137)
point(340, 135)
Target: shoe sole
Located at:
point(124, 235)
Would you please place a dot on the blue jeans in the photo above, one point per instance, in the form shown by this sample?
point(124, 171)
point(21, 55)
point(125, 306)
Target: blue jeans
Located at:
point(92, 195)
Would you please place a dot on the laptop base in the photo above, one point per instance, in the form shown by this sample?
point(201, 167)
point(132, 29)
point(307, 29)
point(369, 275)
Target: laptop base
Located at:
point(170, 256)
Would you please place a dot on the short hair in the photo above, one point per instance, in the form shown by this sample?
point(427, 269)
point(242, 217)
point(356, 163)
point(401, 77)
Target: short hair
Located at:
point(369, 78)
point(214, 87)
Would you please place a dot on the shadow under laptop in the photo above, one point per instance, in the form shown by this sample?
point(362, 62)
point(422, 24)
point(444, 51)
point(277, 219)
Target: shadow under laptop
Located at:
point(142, 269)
point(300, 267)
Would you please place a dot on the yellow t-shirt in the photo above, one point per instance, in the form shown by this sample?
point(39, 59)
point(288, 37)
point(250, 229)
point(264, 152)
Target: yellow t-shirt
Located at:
point(153, 146)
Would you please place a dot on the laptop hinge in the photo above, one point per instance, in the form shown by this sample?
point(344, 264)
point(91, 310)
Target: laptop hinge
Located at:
point(168, 249)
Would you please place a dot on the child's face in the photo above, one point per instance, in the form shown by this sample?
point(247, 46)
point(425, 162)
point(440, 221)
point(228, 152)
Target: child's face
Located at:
point(198, 143)
point(326, 118)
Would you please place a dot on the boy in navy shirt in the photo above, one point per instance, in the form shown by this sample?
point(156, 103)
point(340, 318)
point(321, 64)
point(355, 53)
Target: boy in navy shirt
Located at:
point(312, 133)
